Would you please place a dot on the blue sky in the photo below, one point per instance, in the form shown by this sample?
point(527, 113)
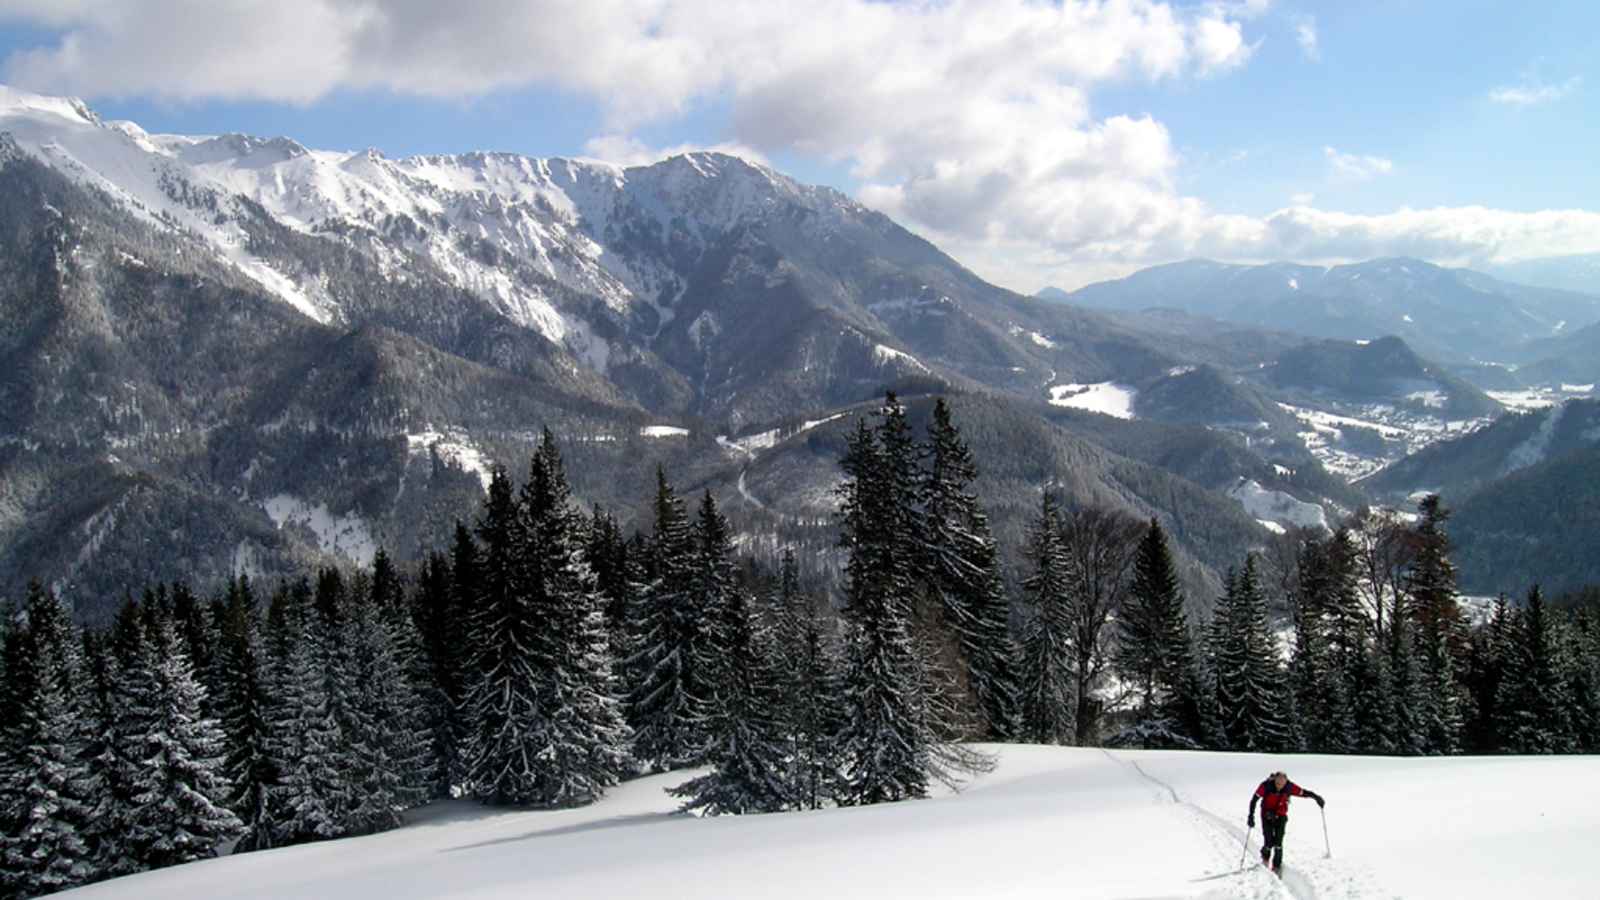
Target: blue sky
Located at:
point(1038, 142)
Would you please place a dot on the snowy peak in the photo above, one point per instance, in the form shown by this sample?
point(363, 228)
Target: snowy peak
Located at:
point(1454, 315)
point(71, 110)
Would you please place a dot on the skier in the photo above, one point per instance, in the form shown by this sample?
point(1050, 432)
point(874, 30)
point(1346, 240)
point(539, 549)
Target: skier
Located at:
point(1274, 794)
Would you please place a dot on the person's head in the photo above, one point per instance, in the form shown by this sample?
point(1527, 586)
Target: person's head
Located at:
point(1280, 779)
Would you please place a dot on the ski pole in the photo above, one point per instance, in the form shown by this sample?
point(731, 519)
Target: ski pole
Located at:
point(1243, 851)
point(1325, 845)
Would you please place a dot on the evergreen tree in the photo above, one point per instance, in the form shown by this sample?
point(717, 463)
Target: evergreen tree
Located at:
point(1488, 650)
point(504, 703)
point(442, 632)
point(1153, 649)
point(178, 813)
point(748, 750)
point(1407, 701)
point(1441, 637)
point(1328, 640)
point(1533, 702)
point(669, 696)
point(1047, 699)
point(307, 746)
point(963, 573)
point(811, 691)
point(1250, 695)
point(1583, 679)
point(893, 737)
point(580, 743)
point(48, 786)
point(120, 707)
point(245, 708)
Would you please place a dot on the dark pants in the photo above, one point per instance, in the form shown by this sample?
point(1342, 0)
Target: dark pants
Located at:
point(1272, 840)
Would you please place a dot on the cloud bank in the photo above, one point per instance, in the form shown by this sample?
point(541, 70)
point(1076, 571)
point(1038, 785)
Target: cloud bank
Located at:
point(969, 120)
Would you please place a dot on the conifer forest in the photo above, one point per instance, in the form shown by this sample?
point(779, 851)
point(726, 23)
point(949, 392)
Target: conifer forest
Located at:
point(546, 654)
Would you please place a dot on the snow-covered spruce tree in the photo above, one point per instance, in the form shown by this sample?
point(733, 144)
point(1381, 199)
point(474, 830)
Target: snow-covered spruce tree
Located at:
point(180, 786)
point(1485, 670)
point(389, 745)
point(442, 632)
point(749, 749)
point(1328, 638)
point(668, 695)
point(1441, 634)
point(1533, 702)
point(47, 786)
point(503, 702)
point(580, 743)
point(244, 707)
point(1046, 699)
point(307, 746)
point(1372, 702)
point(894, 738)
point(198, 637)
point(1154, 651)
point(1583, 678)
point(1100, 546)
point(963, 574)
point(1251, 699)
point(1407, 701)
point(119, 709)
point(811, 700)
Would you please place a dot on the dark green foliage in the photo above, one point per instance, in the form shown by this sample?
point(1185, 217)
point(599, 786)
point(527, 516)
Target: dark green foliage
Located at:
point(1046, 683)
point(1253, 706)
point(579, 740)
point(1532, 703)
point(244, 707)
point(1154, 650)
point(47, 785)
point(964, 576)
point(502, 701)
point(806, 653)
point(669, 637)
point(748, 750)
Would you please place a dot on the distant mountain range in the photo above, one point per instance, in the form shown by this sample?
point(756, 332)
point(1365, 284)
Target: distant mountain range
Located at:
point(236, 353)
point(1451, 315)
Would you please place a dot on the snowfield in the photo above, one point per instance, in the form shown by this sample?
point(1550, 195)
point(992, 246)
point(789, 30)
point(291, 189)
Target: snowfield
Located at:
point(1048, 823)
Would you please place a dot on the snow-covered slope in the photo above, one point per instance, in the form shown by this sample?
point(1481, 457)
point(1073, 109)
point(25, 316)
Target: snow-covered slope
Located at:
point(495, 224)
point(1047, 823)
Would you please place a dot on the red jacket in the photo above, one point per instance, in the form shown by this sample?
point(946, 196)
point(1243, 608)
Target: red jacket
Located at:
point(1275, 802)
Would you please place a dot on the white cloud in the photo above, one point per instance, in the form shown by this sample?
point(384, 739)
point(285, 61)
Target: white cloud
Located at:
point(1534, 92)
point(1305, 34)
point(969, 120)
point(1303, 199)
point(625, 150)
point(1354, 167)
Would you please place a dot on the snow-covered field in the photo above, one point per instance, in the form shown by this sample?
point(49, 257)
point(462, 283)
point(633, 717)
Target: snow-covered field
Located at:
point(1047, 823)
point(1106, 397)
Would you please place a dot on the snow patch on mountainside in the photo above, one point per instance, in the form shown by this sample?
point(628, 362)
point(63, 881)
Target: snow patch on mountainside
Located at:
point(885, 356)
point(1533, 450)
point(1277, 506)
point(1106, 397)
point(663, 431)
point(347, 535)
point(454, 447)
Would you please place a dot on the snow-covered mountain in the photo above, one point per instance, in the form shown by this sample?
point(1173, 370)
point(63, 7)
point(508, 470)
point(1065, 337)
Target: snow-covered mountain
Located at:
point(1454, 315)
point(1048, 822)
point(312, 353)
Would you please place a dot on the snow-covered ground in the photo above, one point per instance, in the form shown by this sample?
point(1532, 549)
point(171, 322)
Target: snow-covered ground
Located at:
point(1277, 507)
point(1047, 823)
point(1106, 397)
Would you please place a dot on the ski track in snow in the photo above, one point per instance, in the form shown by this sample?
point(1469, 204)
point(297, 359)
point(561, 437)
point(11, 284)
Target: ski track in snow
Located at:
point(1300, 881)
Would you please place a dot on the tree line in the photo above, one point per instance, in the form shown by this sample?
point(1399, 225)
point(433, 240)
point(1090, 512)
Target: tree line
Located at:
point(545, 656)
